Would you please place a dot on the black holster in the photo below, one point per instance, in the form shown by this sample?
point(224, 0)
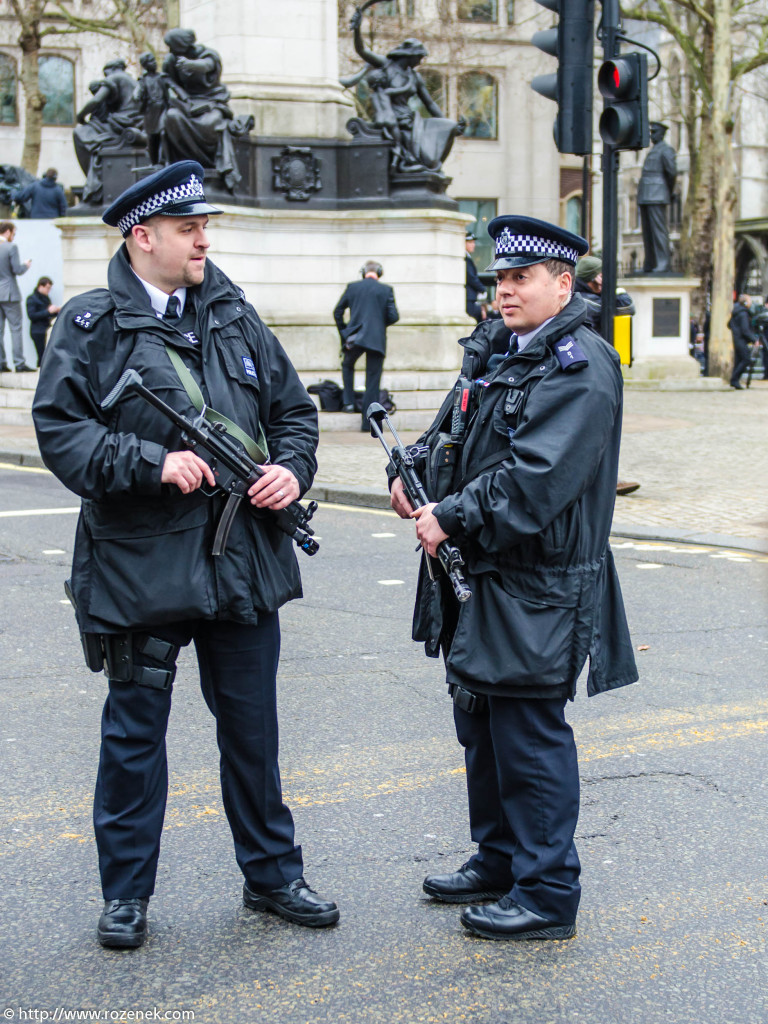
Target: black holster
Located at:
point(472, 703)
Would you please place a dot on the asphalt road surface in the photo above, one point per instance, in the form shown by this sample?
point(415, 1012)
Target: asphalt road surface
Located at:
point(672, 834)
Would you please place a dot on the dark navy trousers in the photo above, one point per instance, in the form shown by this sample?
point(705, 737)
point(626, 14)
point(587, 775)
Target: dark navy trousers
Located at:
point(523, 787)
point(238, 668)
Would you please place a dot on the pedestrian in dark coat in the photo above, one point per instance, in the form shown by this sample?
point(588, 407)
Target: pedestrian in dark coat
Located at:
point(530, 505)
point(40, 313)
point(46, 197)
point(144, 580)
point(589, 285)
point(372, 310)
point(743, 336)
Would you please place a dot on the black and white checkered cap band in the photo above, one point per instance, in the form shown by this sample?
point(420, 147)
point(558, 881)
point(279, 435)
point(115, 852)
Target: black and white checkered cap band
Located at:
point(508, 244)
point(187, 191)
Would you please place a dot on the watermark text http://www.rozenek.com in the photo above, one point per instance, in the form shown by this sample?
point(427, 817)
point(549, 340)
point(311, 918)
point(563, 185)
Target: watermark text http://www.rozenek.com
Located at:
point(59, 1013)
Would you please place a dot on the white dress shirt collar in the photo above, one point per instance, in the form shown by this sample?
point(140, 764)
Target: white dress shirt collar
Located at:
point(159, 298)
point(523, 339)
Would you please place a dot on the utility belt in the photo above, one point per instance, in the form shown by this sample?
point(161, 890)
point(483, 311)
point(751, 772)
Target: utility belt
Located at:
point(115, 655)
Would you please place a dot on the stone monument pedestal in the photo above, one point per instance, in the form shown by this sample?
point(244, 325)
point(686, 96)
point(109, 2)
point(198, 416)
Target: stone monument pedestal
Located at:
point(660, 327)
point(293, 266)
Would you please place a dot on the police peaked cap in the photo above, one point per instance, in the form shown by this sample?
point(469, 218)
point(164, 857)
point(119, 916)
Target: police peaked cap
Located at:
point(173, 191)
point(523, 241)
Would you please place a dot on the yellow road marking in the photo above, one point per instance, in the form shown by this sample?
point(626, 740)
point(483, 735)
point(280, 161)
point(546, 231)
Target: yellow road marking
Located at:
point(364, 774)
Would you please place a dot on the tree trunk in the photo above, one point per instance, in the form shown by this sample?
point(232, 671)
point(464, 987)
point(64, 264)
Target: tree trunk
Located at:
point(698, 215)
point(720, 346)
point(34, 101)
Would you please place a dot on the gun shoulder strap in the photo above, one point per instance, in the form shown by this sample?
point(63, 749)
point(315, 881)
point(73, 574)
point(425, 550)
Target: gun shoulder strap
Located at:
point(257, 450)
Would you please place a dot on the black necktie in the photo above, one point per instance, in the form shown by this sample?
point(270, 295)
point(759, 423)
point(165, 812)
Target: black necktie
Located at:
point(496, 360)
point(172, 309)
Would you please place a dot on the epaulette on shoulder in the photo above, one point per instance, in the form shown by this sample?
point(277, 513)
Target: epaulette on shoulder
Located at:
point(86, 310)
point(570, 355)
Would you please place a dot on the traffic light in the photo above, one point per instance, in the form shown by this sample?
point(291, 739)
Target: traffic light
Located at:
point(623, 82)
point(572, 42)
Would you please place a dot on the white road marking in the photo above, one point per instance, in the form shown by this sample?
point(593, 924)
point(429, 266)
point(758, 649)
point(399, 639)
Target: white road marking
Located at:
point(39, 512)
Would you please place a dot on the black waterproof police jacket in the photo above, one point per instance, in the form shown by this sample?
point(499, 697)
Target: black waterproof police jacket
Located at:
point(142, 551)
point(531, 510)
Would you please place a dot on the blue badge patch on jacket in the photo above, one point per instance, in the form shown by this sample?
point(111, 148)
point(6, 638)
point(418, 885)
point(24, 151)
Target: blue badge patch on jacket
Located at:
point(570, 355)
point(250, 368)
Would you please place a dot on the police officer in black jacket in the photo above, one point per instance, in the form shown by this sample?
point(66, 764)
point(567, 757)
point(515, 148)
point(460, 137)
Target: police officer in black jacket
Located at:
point(144, 580)
point(372, 310)
point(474, 285)
point(530, 505)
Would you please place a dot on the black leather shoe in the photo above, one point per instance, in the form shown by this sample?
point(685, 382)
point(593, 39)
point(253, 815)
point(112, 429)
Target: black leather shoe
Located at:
point(737, 387)
point(508, 920)
point(296, 902)
point(123, 923)
point(26, 369)
point(348, 408)
point(462, 886)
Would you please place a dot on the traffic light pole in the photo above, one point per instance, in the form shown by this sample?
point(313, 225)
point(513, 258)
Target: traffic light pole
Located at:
point(610, 240)
point(610, 166)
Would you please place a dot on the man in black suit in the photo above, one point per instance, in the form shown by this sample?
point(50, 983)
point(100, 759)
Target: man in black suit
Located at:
point(372, 310)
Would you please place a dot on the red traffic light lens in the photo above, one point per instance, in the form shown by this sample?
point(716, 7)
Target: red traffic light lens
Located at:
point(618, 79)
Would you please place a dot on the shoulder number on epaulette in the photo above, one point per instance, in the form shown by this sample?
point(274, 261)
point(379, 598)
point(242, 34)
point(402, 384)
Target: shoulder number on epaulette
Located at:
point(84, 320)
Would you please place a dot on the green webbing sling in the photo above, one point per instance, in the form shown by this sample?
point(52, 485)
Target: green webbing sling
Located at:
point(257, 450)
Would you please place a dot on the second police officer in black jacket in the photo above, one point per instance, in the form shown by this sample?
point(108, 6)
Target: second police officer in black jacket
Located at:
point(530, 505)
point(143, 576)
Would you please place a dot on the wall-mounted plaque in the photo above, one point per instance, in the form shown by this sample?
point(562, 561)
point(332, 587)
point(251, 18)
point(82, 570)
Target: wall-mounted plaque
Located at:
point(666, 318)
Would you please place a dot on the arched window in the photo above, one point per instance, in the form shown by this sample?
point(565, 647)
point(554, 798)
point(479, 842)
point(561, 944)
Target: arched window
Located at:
point(478, 104)
point(57, 84)
point(573, 214)
point(8, 113)
point(363, 105)
point(478, 10)
point(394, 8)
point(435, 83)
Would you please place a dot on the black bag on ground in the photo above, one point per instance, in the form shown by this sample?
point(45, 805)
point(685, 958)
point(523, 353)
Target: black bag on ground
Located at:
point(385, 399)
point(329, 393)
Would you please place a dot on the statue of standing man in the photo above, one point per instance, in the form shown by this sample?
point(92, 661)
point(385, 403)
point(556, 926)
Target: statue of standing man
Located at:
point(654, 195)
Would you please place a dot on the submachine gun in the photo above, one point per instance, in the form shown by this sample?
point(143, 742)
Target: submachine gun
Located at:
point(402, 459)
point(235, 471)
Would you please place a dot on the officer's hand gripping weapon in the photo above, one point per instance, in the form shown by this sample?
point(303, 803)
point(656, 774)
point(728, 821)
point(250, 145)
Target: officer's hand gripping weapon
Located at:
point(401, 458)
point(234, 470)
